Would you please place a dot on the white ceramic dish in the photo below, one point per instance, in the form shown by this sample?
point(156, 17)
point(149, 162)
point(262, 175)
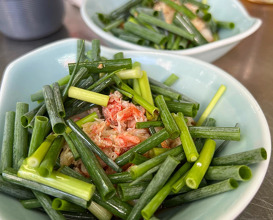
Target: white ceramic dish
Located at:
point(198, 80)
point(228, 10)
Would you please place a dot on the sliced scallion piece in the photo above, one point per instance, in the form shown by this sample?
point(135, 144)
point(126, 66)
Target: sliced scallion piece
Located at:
point(198, 170)
point(167, 118)
point(211, 105)
point(185, 137)
point(11, 176)
point(88, 96)
point(242, 158)
point(20, 141)
point(7, 144)
point(38, 133)
point(49, 161)
point(36, 158)
point(58, 99)
point(57, 123)
point(204, 192)
point(237, 172)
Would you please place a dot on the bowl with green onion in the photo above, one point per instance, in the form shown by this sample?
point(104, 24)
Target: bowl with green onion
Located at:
point(205, 157)
point(202, 29)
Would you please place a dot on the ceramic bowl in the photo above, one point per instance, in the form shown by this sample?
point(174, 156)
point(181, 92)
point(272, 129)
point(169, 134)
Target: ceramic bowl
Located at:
point(228, 10)
point(198, 80)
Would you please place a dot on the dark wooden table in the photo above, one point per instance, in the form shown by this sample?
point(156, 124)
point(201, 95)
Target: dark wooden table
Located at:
point(251, 62)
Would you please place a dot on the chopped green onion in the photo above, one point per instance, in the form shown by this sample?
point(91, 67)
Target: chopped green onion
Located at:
point(186, 139)
point(31, 203)
point(242, 158)
point(71, 146)
point(114, 24)
point(49, 161)
point(137, 158)
point(119, 55)
point(20, 141)
point(133, 73)
point(95, 52)
point(7, 144)
point(225, 24)
point(145, 88)
point(128, 192)
point(222, 133)
point(180, 8)
point(36, 158)
point(58, 99)
point(11, 176)
point(147, 124)
point(100, 212)
point(16, 191)
point(204, 192)
point(171, 80)
point(197, 172)
point(57, 123)
point(63, 205)
point(157, 151)
point(103, 66)
point(162, 24)
point(38, 133)
point(239, 173)
point(88, 96)
point(89, 118)
point(211, 105)
point(187, 108)
point(59, 181)
point(167, 93)
point(145, 33)
point(27, 117)
point(167, 118)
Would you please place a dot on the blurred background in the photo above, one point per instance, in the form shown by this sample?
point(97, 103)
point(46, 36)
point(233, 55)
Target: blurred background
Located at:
point(250, 62)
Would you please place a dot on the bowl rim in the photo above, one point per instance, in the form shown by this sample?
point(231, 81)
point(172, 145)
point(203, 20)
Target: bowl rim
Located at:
point(266, 136)
point(257, 22)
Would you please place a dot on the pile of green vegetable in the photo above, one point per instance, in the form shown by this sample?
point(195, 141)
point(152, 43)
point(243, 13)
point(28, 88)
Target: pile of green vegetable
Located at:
point(158, 177)
point(138, 22)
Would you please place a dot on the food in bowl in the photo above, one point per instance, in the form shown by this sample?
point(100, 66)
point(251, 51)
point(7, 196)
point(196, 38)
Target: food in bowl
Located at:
point(229, 10)
point(121, 116)
point(165, 24)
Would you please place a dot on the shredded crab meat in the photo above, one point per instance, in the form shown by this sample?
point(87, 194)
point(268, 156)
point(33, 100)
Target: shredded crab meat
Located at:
point(122, 114)
point(66, 157)
point(169, 13)
point(117, 129)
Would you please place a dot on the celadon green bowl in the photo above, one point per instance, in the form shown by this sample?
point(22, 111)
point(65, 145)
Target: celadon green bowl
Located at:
point(198, 79)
